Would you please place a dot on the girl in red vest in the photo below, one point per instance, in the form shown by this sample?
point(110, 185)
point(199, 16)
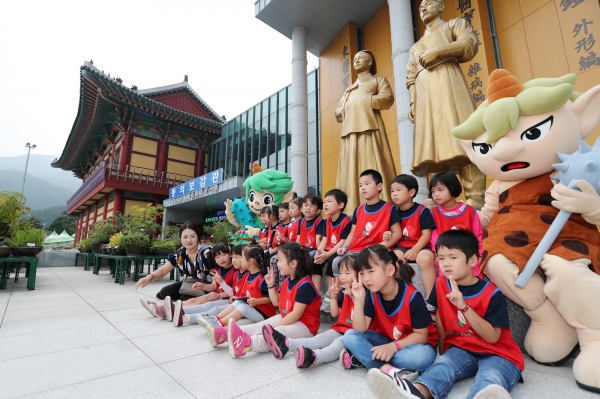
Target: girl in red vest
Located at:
point(307, 226)
point(450, 214)
point(251, 302)
point(269, 215)
point(328, 344)
point(391, 323)
point(298, 300)
point(281, 237)
point(472, 320)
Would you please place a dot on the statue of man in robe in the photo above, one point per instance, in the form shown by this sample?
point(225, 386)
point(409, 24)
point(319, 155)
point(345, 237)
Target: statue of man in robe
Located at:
point(440, 99)
point(364, 143)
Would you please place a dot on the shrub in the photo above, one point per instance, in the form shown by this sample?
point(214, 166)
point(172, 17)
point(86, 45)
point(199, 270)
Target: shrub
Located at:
point(23, 236)
point(115, 240)
point(83, 243)
point(12, 206)
point(220, 231)
point(164, 244)
point(101, 232)
point(140, 239)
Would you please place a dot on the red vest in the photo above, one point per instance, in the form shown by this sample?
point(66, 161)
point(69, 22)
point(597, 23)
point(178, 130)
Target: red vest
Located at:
point(411, 229)
point(334, 233)
point(263, 233)
point(271, 241)
point(239, 281)
point(398, 325)
point(344, 321)
point(284, 231)
point(226, 275)
point(312, 313)
point(252, 290)
point(460, 334)
point(464, 220)
point(308, 236)
point(370, 227)
point(292, 231)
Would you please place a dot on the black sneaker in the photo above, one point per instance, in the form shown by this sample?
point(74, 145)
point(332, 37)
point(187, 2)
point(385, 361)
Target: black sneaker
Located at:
point(275, 341)
point(348, 360)
point(305, 357)
point(385, 386)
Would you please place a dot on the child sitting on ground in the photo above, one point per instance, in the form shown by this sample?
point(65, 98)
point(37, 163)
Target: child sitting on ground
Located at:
point(253, 302)
point(332, 234)
point(370, 220)
point(324, 347)
point(269, 215)
point(417, 225)
point(295, 215)
point(189, 314)
point(307, 226)
point(472, 320)
point(391, 325)
point(450, 214)
point(298, 302)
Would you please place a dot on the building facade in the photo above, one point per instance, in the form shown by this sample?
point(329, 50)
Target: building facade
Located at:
point(530, 38)
point(129, 146)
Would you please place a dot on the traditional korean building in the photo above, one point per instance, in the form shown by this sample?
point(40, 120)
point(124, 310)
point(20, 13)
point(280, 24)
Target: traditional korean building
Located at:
point(128, 146)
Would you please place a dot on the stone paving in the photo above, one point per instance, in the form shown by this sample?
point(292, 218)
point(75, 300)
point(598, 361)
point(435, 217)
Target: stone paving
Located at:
point(79, 335)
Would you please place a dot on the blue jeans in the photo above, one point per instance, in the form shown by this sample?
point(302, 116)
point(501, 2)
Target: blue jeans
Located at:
point(414, 357)
point(457, 364)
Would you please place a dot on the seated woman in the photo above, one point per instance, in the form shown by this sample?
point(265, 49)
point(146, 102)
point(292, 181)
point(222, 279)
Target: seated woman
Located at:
point(193, 260)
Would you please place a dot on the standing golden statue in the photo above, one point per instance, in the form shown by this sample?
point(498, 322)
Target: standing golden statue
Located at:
point(440, 100)
point(363, 128)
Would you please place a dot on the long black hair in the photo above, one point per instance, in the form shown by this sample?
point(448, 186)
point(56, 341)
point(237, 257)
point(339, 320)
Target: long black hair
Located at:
point(258, 254)
point(294, 251)
point(382, 255)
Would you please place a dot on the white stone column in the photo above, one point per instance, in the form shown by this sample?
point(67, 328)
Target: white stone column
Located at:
point(401, 25)
point(299, 150)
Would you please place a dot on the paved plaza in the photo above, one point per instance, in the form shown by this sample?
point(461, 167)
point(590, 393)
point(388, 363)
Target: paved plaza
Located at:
point(79, 335)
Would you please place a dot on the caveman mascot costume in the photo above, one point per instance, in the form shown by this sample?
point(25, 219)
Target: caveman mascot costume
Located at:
point(514, 138)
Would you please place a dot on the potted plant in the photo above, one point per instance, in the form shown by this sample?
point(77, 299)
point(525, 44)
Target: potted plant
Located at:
point(5, 248)
point(134, 243)
point(163, 247)
point(105, 249)
point(12, 206)
point(101, 232)
point(117, 246)
point(84, 246)
point(26, 240)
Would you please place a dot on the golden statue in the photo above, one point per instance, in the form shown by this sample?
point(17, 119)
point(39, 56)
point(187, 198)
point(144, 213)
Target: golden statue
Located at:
point(440, 100)
point(359, 112)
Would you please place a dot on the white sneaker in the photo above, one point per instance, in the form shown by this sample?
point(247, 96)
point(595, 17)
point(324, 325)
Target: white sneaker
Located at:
point(169, 308)
point(385, 386)
point(146, 305)
point(493, 391)
point(206, 320)
point(326, 302)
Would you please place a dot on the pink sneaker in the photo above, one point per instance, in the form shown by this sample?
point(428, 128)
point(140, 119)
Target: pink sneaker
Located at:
point(148, 305)
point(239, 341)
point(216, 335)
point(160, 311)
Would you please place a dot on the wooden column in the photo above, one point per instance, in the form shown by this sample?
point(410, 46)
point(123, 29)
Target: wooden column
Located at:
point(200, 156)
point(118, 202)
point(126, 143)
point(161, 156)
point(105, 206)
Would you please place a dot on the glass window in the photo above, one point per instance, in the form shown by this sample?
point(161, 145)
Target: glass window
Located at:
point(273, 105)
point(282, 100)
point(282, 119)
point(312, 107)
point(289, 94)
point(312, 138)
point(257, 113)
point(310, 82)
point(265, 108)
point(312, 170)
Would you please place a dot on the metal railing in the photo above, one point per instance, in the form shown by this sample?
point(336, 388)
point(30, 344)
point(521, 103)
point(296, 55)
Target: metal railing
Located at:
point(135, 176)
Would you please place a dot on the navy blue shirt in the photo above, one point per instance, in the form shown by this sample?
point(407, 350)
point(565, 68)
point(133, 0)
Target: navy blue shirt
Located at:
point(305, 294)
point(309, 223)
point(394, 218)
point(497, 311)
point(426, 218)
point(420, 317)
point(263, 285)
point(322, 226)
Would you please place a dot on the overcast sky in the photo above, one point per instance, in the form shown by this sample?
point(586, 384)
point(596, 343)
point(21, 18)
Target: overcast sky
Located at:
point(233, 60)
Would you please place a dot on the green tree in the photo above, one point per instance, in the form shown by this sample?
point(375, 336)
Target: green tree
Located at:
point(63, 222)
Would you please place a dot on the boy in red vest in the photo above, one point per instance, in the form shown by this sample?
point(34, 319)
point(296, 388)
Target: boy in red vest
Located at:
point(307, 226)
point(472, 322)
point(332, 233)
point(370, 220)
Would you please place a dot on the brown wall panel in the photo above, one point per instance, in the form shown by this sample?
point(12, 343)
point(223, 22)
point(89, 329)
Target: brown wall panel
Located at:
point(529, 6)
point(514, 52)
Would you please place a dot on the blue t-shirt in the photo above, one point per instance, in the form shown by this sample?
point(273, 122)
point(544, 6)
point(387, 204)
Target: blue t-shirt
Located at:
point(394, 218)
point(322, 226)
point(497, 311)
point(426, 218)
point(305, 294)
point(420, 317)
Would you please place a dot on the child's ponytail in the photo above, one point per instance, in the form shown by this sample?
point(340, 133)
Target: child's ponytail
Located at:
point(258, 254)
point(293, 251)
point(403, 270)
